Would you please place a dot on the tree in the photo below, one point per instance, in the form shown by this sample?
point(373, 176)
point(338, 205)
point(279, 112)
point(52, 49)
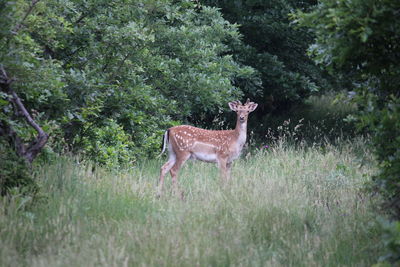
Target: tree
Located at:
point(276, 49)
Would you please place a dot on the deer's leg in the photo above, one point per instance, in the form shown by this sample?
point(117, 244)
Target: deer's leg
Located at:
point(180, 160)
point(228, 170)
point(164, 170)
point(222, 165)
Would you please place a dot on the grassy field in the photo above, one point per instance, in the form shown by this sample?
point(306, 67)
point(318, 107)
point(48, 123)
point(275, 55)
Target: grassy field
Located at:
point(284, 206)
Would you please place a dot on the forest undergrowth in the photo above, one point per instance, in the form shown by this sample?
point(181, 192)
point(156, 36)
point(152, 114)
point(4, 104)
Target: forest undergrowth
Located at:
point(284, 206)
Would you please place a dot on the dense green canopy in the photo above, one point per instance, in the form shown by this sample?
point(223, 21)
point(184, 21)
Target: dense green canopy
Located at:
point(276, 50)
point(106, 78)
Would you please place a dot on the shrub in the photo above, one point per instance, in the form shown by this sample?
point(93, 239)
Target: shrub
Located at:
point(109, 145)
point(391, 239)
point(386, 141)
point(14, 172)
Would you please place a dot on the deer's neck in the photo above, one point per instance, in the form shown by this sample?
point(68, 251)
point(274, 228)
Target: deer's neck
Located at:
point(241, 131)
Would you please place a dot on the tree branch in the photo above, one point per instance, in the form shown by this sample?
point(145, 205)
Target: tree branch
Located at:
point(19, 25)
point(32, 150)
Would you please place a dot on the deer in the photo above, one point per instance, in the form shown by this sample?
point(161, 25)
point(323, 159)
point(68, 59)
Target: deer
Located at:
point(214, 146)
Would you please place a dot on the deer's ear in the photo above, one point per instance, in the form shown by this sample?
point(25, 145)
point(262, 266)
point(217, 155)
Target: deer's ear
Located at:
point(252, 107)
point(233, 105)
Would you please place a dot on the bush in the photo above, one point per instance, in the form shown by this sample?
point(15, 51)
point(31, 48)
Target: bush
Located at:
point(385, 123)
point(14, 172)
point(109, 145)
point(386, 142)
point(391, 239)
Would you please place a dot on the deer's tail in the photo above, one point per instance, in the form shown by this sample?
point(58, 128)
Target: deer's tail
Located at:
point(164, 142)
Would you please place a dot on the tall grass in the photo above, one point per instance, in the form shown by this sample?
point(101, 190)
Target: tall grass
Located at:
point(284, 206)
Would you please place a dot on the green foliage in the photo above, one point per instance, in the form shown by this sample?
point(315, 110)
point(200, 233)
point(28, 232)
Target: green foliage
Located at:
point(14, 172)
point(144, 65)
point(391, 238)
point(361, 38)
point(386, 124)
point(108, 145)
point(275, 49)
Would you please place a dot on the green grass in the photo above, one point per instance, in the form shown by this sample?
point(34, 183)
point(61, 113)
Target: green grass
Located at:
point(283, 207)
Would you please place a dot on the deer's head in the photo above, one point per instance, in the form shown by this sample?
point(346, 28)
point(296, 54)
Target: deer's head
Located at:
point(242, 111)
